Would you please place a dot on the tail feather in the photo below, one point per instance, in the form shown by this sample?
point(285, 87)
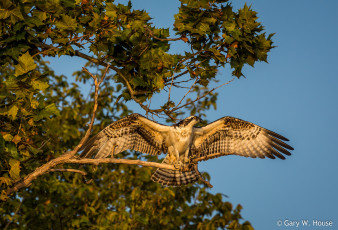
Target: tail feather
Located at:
point(169, 177)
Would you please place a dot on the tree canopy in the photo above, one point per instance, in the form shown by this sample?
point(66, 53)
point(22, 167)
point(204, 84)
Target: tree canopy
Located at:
point(43, 115)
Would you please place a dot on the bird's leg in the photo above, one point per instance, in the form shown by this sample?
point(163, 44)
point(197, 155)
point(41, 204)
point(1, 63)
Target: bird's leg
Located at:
point(172, 155)
point(112, 152)
point(186, 156)
point(186, 162)
point(177, 163)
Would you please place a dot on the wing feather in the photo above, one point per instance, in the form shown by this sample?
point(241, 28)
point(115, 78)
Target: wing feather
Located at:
point(133, 132)
point(233, 136)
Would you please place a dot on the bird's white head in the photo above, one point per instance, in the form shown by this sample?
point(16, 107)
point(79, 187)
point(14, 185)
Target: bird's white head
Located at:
point(189, 121)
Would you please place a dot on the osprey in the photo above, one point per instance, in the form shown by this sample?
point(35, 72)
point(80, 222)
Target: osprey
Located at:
point(183, 142)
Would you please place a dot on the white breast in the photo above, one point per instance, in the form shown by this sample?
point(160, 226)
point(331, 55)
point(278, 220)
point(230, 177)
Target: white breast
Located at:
point(182, 139)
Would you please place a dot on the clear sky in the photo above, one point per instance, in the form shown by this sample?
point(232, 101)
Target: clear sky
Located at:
point(295, 95)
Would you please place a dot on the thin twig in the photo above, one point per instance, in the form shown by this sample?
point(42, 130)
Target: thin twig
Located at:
point(134, 93)
point(97, 86)
point(171, 85)
point(200, 97)
point(187, 92)
point(180, 75)
point(144, 50)
point(50, 47)
point(160, 39)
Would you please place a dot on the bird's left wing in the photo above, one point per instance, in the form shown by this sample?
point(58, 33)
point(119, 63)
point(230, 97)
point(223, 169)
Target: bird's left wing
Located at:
point(133, 132)
point(233, 136)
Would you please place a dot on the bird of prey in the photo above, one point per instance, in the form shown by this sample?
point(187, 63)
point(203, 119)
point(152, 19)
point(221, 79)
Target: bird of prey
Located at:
point(183, 142)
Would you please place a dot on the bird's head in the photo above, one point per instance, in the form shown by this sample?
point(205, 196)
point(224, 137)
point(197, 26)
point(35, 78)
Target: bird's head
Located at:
point(189, 121)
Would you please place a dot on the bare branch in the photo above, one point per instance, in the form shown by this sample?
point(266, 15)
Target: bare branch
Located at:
point(200, 97)
point(97, 86)
point(69, 158)
point(134, 93)
point(120, 74)
point(68, 170)
point(160, 39)
point(178, 75)
point(187, 92)
point(120, 161)
point(27, 180)
point(171, 85)
point(46, 48)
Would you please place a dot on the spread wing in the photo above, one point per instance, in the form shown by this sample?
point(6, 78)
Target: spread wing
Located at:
point(232, 136)
point(133, 132)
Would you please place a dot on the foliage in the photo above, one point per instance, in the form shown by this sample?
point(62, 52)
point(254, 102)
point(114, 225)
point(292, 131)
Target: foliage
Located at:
point(42, 115)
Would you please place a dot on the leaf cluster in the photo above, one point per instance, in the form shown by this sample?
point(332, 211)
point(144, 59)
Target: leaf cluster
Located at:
point(42, 114)
point(124, 198)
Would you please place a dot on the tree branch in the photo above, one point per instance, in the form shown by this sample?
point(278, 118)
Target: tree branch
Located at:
point(160, 39)
point(27, 180)
point(68, 170)
point(96, 96)
point(120, 161)
point(134, 93)
point(187, 92)
point(200, 97)
point(69, 158)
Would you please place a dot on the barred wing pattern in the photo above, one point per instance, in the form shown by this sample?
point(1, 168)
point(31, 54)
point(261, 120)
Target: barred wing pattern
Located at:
point(133, 132)
point(233, 136)
point(169, 177)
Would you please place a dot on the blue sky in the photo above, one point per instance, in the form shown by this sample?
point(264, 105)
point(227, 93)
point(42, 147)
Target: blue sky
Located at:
point(295, 95)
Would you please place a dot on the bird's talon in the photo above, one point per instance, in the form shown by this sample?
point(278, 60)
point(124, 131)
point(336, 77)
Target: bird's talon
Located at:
point(178, 165)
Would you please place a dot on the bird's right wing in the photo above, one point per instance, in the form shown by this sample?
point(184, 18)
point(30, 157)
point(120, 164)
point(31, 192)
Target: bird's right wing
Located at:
point(233, 136)
point(133, 132)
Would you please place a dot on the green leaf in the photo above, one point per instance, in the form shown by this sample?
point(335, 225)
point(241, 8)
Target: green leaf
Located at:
point(52, 110)
point(4, 13)
point(15, 169)
point(3, 195)
point(229, 26)
point(40, 15)
point(11, 148)
point(111, 10)
point(16, 139)
point(48, 111)
point(67, 23)
point(26, 64)
point(7, 137)
point(41, 85)
point(12, 112)
point(16, 15)
point(5, 180)
point(34, 150)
